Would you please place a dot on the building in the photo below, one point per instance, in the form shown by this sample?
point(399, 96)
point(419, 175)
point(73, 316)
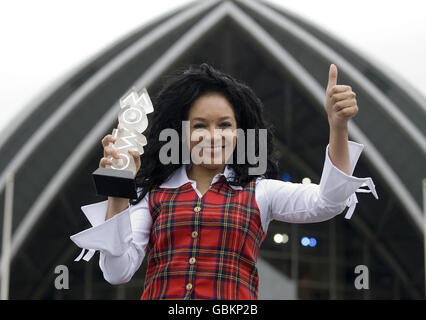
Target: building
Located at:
point(54, 147)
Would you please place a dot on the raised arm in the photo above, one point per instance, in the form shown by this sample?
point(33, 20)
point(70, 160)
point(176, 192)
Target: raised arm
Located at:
point(340, 105)
point(305, 203)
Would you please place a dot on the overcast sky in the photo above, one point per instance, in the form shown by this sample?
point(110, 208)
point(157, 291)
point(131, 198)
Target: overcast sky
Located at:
point(45, 39)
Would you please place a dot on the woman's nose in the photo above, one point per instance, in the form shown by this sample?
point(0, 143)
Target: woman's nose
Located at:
point(215, 136)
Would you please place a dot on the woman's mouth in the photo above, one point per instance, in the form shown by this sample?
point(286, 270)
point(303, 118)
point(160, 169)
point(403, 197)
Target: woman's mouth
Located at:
point(214, 150)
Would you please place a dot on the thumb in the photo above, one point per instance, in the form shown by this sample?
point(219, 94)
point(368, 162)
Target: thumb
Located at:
point(332, 76)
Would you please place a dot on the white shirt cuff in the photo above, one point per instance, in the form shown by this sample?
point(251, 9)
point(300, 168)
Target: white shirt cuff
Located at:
point(112, 236)
point(336, 187)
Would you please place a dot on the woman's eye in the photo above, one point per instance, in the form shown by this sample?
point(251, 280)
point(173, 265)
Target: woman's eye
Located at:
point(223, 124)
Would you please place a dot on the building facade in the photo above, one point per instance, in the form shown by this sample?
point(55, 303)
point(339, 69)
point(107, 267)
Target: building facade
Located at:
point(53, 148)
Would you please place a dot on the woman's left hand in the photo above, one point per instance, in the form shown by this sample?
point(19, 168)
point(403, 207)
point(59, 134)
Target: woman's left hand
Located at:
point(340, 101)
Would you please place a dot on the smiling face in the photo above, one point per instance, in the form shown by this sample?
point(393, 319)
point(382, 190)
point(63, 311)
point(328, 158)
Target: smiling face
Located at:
point(208, 148)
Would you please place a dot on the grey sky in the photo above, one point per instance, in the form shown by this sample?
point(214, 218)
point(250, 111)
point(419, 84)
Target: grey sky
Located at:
point(45, 39)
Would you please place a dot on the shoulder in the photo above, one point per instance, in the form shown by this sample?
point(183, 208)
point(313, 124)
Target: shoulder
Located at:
point(270, 186)
point(266, 182)
point(142, 202)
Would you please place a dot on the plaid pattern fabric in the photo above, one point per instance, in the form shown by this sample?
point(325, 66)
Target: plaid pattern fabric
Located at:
point(203, 248)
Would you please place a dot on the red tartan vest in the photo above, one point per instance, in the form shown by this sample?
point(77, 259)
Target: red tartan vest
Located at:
point(203, 248)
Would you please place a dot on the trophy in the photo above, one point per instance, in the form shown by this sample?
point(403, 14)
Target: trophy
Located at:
point(117, 180)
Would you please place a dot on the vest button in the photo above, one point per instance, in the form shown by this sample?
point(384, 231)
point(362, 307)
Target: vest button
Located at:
point(197, 209)
point(192, 260)
point(189, 286)
point(194, 234)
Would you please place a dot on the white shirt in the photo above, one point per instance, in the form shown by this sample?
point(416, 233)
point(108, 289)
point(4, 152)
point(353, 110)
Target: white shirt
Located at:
point(122, 239)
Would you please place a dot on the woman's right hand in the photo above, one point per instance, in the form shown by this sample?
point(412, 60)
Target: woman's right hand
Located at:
point(109, 151)
point(115, 204)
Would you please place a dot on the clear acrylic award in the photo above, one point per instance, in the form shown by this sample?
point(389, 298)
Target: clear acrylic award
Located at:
point(117, 180)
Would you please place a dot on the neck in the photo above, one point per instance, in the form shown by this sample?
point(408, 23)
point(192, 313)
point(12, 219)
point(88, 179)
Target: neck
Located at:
point(202, 174)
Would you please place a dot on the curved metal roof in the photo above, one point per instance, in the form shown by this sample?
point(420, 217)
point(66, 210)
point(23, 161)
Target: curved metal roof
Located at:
point(55, 146)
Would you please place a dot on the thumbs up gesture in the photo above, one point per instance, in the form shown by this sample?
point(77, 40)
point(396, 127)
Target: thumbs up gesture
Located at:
point(340, 101)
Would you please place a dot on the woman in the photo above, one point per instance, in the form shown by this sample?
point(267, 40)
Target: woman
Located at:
point(200, 224)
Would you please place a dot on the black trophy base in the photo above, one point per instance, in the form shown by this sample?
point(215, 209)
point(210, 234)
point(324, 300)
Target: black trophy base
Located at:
point(114, 183)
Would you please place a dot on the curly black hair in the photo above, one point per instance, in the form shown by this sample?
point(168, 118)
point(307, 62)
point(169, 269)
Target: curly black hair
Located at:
point(171, 107)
